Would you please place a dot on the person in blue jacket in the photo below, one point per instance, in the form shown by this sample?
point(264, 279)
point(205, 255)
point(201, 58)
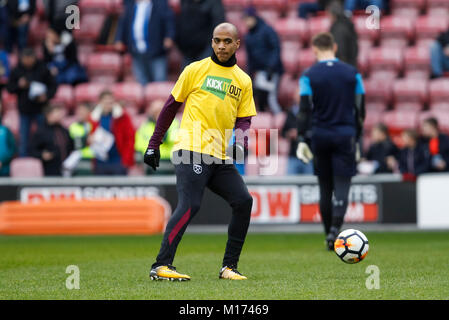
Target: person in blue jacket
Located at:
point(264, 61)
point(147, 29)
point(7, 149)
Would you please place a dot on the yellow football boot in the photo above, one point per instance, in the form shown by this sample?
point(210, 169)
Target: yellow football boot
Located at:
point(167, 273)
point(231, 274)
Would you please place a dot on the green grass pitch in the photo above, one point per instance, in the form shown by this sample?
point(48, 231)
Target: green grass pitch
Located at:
point(413, 265)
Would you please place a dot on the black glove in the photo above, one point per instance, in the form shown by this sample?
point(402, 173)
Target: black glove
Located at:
point(152, 157)
point(238, 152)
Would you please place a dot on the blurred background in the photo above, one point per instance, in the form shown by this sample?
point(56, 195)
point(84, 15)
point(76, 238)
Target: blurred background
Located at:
point(58, 85)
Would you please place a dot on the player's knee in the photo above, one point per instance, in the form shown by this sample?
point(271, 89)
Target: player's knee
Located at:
point(244, 205)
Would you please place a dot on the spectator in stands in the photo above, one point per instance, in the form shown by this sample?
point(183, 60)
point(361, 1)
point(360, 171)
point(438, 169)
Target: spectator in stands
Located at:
point(51, 143)
point(439, 55)
point(311, 8)
point(382, 151)
point(437, 144)
point(290, 132)
point(193, 34)
point(4, 71)
point(145, 132)
point(81, 129)
point(20, 13)
point(351, 5)
point(34, 86)
point(147, 29)
point(344, 33)
point(61, 56)
point(55, 12)
point(113, 118)
point(7, 149)
point(413, 158)
point(264, 61)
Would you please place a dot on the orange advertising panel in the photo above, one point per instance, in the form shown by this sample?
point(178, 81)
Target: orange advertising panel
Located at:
point(66, 217)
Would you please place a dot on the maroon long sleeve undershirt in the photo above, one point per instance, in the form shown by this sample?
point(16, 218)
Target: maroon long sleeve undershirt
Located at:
point(168, 113)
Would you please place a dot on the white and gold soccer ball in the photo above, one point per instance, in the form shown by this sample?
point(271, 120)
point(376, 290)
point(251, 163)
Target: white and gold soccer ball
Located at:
point(351, 246)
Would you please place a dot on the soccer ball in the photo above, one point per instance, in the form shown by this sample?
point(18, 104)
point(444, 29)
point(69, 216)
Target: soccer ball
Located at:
point(351, 246)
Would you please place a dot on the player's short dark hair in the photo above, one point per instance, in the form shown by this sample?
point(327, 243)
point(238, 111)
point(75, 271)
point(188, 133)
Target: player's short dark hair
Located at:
point(432, 121)
point(323, 41)
point(105, 93)
point(84, 104)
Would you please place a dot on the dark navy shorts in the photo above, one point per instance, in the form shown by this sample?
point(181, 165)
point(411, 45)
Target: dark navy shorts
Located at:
point(334, 155)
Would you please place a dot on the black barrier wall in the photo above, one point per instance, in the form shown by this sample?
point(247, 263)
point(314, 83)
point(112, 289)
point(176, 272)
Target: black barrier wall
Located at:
point(286, 200)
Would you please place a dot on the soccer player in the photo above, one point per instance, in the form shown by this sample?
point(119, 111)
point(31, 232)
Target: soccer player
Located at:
point(218, 96)
point(332, 103)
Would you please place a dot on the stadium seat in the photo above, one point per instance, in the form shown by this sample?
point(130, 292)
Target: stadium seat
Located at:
point(158, 90)
point(398, 120)
point(376, 106)
point(439, 90)
point(429, 27)
point(104, 67)
point(396, 31)
point(362, 31)
point(292, 29)
point(9, 101)
point(64, 97)
point(26, 168)
point(411, 13)
point(37, 31)
point(440, 106)
point(288, 87)
point(263, 120)
point(384, 58)
point(372, 118)
point(306, 59)
point(89, 92)
point(420, 4)
point(283, 147)
point(279, 120)
point(242, 59)
point(408, 106)
point(417, 62)
point(235, 4)
point(290, 60)
point(363, 59)
point(319, 24)
point(269, 16)
point(411, 90)
point(138, 120)
point(440, 4)
point(236, 18)
point(130, 94)
point(278, 5)
point(90, 28)
point(378, 91)
point(95, 6)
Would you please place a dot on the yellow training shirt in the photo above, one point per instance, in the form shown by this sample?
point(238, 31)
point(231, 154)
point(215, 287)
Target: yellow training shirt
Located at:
point(214, 97)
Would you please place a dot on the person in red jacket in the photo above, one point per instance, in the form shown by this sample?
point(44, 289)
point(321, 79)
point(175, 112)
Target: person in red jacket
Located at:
point(112, 118)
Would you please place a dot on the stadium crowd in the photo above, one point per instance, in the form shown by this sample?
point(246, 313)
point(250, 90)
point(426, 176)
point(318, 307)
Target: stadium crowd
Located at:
point(85, 101)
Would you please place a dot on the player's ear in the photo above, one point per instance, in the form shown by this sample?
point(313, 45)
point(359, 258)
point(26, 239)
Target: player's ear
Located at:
point(238, 43)
point(335, 47)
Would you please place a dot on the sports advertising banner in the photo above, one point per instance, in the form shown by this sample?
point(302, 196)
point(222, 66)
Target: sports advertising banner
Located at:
point(275, 201)
point(295, 204)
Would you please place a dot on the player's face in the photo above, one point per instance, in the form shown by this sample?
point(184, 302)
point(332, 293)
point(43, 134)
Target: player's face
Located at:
point(225, 44)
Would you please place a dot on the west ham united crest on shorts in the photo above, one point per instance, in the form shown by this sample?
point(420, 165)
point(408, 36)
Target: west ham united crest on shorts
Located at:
point(197, 169)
